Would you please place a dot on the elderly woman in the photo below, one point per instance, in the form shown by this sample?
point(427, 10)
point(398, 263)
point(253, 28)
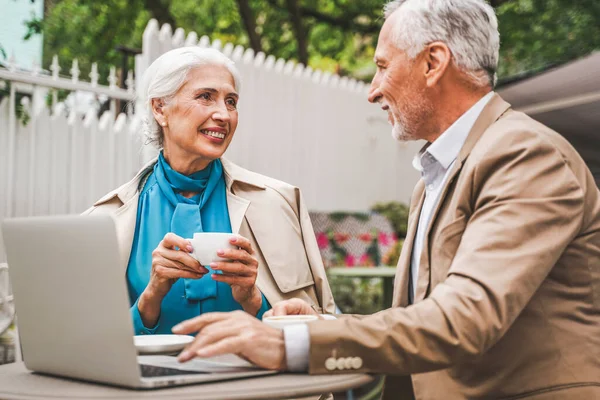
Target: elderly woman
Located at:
point(191, 98)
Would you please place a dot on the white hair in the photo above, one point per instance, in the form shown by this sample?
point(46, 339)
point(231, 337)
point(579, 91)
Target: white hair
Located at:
point(468, 27)
point(168, 73)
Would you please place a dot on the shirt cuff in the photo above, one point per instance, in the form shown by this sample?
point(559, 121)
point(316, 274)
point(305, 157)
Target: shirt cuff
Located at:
point(138, 325)
point(297, 347)
point(328, 317)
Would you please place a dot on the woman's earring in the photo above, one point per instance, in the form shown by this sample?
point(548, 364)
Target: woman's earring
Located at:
point(164, 124)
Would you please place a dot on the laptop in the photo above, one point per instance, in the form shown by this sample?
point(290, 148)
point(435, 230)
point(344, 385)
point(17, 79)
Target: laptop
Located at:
point(73, 307)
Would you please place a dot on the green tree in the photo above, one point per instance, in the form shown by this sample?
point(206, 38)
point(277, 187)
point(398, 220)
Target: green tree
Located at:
point(537, 33)
point(333, 35)
point(91, 30)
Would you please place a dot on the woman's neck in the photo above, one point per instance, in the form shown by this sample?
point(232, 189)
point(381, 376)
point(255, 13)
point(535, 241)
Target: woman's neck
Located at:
point(188, 195)
point(184, 163)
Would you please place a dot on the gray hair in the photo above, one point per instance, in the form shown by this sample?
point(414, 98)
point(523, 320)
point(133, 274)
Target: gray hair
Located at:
point(168, 73)
point(468, 27)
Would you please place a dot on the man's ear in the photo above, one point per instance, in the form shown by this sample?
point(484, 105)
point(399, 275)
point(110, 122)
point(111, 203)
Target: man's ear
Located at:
point(437, 57)
point(158, 111)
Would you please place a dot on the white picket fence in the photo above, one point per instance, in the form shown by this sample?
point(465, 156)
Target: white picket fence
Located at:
point(61, 163)
point(62, 160)
point(312, 129)
point(309, 128)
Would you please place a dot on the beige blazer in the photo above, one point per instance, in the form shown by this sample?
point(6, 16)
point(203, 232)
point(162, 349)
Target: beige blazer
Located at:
point(508, 295)
point(270, 213)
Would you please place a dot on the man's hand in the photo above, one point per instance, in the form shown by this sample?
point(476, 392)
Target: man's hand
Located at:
point(291, 307)
point(237, 333)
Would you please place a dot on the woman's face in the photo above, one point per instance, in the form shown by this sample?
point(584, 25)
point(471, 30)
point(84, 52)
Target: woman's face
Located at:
point(200, 120)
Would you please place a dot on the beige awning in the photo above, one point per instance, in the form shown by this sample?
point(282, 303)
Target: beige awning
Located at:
point(567, 99)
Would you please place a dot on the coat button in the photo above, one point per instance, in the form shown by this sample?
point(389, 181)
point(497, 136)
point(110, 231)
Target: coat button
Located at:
point(357, 362)
point(348, 363)
point(330, 364)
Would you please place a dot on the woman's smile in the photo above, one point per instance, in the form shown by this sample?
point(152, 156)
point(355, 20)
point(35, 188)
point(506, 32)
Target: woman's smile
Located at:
point(215, 134)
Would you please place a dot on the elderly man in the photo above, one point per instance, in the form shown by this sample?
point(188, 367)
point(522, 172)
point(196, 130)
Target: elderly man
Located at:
point(497, 292)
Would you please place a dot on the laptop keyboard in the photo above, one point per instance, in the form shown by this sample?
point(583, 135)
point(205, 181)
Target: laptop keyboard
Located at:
point(151, 371)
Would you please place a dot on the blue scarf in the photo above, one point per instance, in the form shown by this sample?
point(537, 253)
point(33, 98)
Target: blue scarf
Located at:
point(205, 212)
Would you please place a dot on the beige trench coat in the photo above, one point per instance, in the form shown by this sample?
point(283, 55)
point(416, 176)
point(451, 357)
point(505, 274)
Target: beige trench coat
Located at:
point(270, 213)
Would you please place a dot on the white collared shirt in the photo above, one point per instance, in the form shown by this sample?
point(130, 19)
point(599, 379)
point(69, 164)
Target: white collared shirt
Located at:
point(434, 161)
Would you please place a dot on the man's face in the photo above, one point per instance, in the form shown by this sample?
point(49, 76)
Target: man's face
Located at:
point(400, 87)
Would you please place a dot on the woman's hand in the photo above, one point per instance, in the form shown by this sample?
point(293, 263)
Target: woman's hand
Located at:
point(240, 272)
point(171, 260)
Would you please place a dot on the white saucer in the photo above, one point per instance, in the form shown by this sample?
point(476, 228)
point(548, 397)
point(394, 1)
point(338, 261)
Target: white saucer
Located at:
point(160, 344)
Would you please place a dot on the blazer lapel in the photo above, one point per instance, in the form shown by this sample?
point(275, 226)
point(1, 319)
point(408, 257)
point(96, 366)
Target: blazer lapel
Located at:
point(490, 114)
point(493, 110)
point(125, 220)
point(401, 287)
point(237, 207)
point(424, 278)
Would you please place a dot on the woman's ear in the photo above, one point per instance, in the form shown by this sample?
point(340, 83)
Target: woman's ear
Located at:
point(158, 112)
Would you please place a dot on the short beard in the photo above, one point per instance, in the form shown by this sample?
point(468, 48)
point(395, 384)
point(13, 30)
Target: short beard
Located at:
point(409, 125)
point(401, 133)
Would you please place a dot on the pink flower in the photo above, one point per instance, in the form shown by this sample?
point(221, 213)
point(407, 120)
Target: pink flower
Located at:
point(384, 239)
point(322, 240)
point(350, 261)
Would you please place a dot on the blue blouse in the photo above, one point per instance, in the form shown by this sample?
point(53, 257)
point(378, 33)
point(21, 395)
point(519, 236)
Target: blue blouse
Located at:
point(161, 209)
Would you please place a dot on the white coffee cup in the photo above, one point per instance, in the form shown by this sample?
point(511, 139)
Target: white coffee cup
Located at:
point(206, 244)
point(287, 320)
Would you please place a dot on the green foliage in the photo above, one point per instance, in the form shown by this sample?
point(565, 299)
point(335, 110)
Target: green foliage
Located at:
point(339, 251)
point(338, 216)
point(392, 257)
point(537, 33)
point(372, 251)
point(60, 95)
point(90, 31)
point(341, 34)
point(217, 18)
point(356, 295)
point(34, 27)
point(21, 113)
point(396, 213)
